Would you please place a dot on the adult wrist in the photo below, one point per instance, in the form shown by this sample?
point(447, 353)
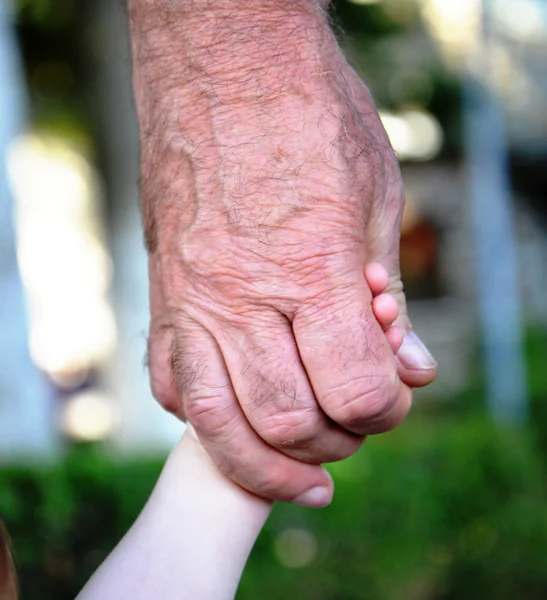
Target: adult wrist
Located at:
point(224, 43)
point(189, 7)
point(204, 79)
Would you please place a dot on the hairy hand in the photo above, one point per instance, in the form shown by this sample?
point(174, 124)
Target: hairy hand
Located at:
point(267, 183)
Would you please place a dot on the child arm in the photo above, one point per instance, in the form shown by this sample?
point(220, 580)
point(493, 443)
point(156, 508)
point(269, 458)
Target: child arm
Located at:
point(191, 540)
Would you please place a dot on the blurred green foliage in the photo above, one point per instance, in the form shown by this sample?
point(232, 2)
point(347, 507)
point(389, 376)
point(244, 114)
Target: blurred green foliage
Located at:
point(54, 46)
point(449, 506)
point(47, 14)
point(440, 509)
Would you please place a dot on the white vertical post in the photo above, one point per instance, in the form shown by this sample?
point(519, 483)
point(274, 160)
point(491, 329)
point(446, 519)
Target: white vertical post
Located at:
point(26, 409)
point(495, 242)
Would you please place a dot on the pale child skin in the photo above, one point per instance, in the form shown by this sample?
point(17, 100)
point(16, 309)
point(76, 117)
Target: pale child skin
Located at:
point(193, 537)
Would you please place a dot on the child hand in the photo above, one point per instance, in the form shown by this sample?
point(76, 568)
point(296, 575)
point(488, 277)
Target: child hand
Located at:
point(386, 311)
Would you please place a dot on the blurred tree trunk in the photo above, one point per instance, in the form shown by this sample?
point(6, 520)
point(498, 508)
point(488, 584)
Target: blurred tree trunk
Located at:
point(26, 410)
point(144, 423)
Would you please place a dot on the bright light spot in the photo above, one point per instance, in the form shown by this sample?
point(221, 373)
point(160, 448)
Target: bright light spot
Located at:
point(64, 265)
point(295, 548)
point(70, 380)
point(414, 134)
point(455, 23)
point(522, 19)
point(88, 417)
point(397, 131)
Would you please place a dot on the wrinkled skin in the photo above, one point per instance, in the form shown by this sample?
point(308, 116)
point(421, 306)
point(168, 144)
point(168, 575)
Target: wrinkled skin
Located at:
point(267, 182)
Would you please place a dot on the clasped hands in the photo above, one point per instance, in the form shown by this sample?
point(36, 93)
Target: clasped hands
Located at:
point(268, 183)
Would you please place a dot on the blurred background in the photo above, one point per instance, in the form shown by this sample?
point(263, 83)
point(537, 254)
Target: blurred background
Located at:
point(454, 503)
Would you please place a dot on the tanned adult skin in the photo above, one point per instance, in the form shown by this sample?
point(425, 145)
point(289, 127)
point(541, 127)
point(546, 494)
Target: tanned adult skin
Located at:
point(267, 183)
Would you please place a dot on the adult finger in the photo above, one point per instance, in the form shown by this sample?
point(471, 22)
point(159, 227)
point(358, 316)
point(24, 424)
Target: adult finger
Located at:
point(275, 394)
point(211, 406)
point(349, 361)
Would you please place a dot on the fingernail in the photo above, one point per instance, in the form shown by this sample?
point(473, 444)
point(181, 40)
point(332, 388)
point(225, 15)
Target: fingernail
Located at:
point(414, 355)
point(317, 497)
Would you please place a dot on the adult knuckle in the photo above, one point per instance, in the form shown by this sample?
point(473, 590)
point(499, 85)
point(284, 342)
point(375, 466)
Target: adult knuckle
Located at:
point(271, 483)
point(367, 399)
point(204, 405)
point(209, 413)
point(288, 430)
point(185, 369)
point(163, 392)
point(266, 483)
point(161, 376)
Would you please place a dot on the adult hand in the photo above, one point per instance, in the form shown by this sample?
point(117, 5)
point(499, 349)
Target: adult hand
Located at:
point(267, 183)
